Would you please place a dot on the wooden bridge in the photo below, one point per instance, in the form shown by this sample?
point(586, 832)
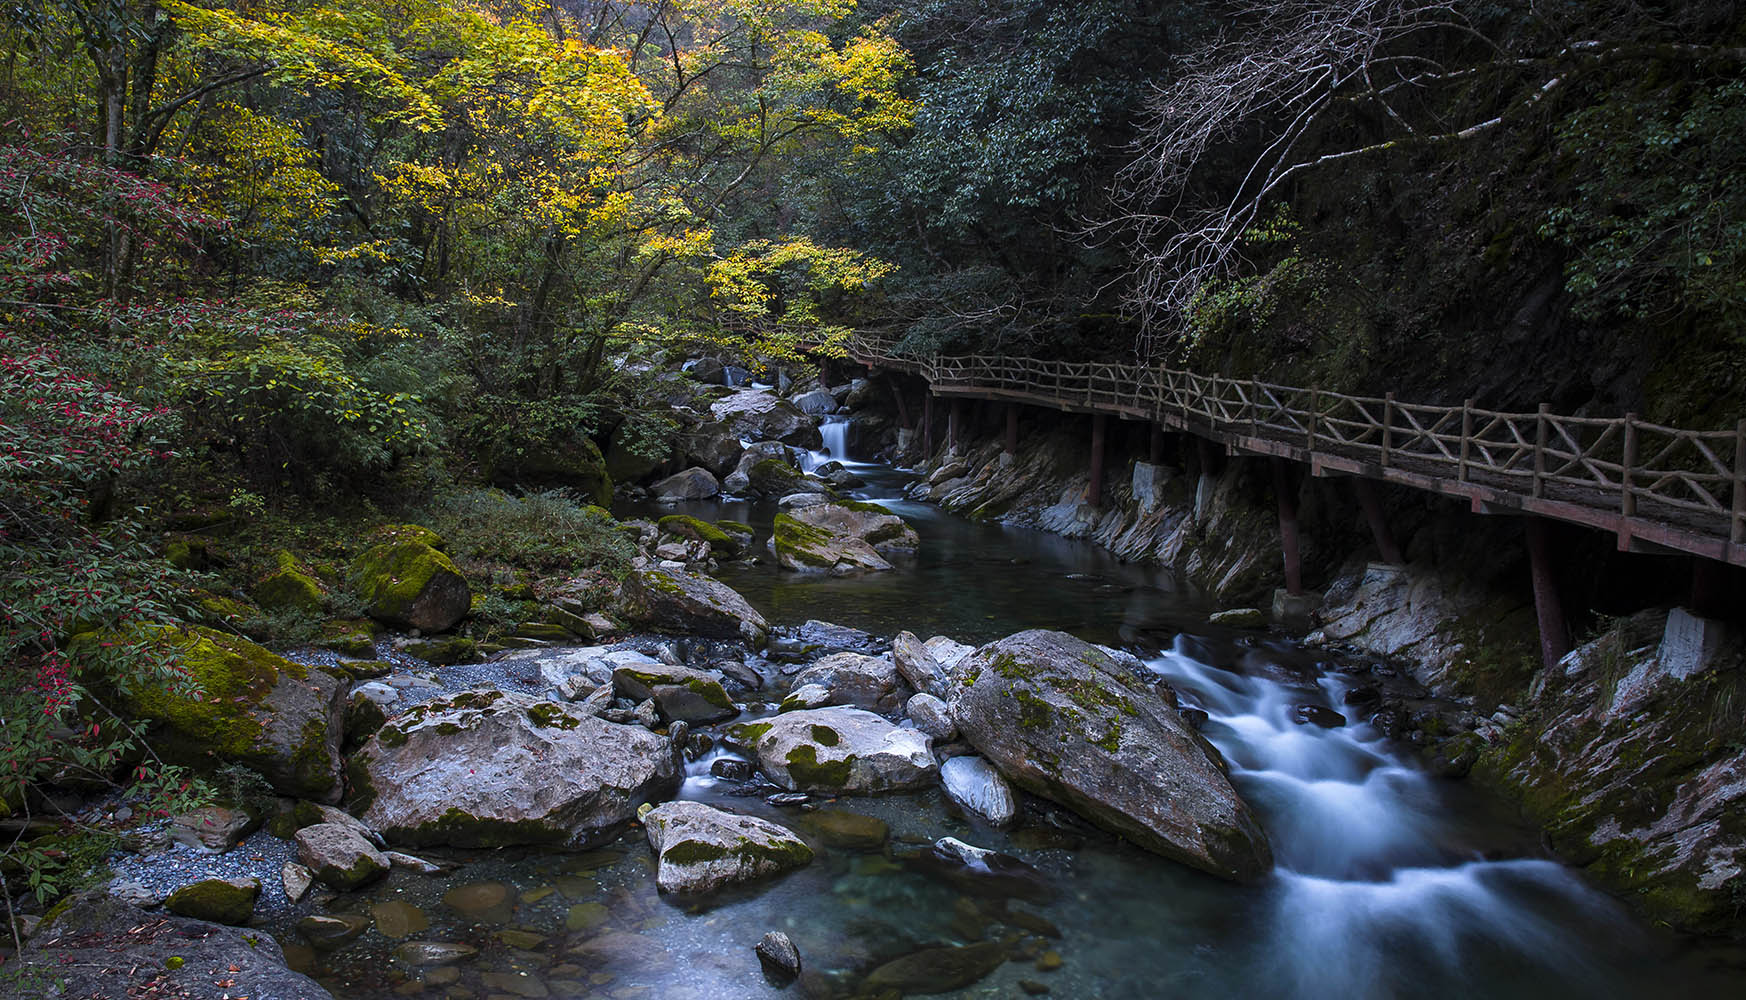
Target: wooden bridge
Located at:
point(1658, 489)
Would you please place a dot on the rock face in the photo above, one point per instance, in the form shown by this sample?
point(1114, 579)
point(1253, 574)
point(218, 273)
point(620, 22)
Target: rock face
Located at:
point(220, 900)
point(339, 856)
point(1630, 771)
point(840, 750)
point(486, 769)
point(1058, 717)
point(678, 601)
point(102, 947)
point(757, 415)
point(680, 693)
point(691, 484)
point(869, 682)
point(975, 785)
point(258, 709)
point(840, 538)
point(407, 583)
point(701, 849)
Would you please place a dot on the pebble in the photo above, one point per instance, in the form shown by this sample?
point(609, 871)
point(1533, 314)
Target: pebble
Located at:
point(1049, 961)
point(147, 880)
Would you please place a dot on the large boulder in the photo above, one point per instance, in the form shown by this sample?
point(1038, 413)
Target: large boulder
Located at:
point(407, 582)
point(487, 769)
point(713, 446)
point(281, 719)
point(679, 601)
point(691, 484)
point(816, 403)
point(773, 478)
point(757, 415)
point(869, 682)
point(842, 750)
point(1062, 719)
point(99, 946)
point(680, 693)
point(576, 464)
point(289, 586)
point(840, 538)
point(739, 478)
point(220, 900)
point(700, 849)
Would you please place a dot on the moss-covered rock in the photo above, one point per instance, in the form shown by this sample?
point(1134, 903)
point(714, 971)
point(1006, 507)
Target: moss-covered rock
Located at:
point(445, 651)
point(289, 587)
point(702, 849)
point(686, 526)
point(256, 709)
point(842, 750)
point(680, 693)
point(574, 464)
point(410, 584)
point(679, 601)
point(220, 900)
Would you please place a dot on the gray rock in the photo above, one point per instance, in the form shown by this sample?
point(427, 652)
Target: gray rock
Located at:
point(1061, 719)
point(220, 900)
point(739, 480)
point(845, 750)
point(681, 601)
point(801, 501)
point(414, 863)
point(339, 856)
point(806, 696)
point(936, 970)
point(331, 932)
point(428, 954)
point(977, 788)
point(701, 849)
point(816, 403)
point(948, 653)
point(691, 484)
point(94, 949)
point(485, 768)
point(758, 415)
point(1239, 618)
point(296, 879)
point(919, 667)
point(679, 692)
point(839, 539)
point(869, 682)
point(932, 716)
point(779, 958)
point(213, 829)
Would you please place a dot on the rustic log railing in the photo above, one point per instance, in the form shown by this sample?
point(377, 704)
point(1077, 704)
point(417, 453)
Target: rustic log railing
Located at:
point(1658, 488)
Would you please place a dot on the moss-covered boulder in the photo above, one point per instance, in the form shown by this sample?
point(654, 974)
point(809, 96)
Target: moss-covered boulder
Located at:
point(289, 587)
point(773, 478)
point(840, 538)
point(690, 603)
point(1062, 719)
point(573, 464)
point(445, 651)
point(839, 750)
point(760, 415)
point(722, 543)
point(220, 900)
point(680, 693)
point(256, 708)
point(490, 769)
point(700, 849)
point(408, 583)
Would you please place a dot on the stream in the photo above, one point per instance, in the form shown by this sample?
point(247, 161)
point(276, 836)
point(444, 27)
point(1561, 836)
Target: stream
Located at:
point(1388, 882)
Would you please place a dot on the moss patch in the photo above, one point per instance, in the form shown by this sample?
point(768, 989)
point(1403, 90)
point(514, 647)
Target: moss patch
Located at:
point(807, 771)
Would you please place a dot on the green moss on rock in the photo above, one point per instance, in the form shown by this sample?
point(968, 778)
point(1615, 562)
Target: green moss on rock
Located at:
point(808, 772)
point(411, 584)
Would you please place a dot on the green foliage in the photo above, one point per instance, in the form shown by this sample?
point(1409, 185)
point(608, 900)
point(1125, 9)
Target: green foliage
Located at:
point(551, 531)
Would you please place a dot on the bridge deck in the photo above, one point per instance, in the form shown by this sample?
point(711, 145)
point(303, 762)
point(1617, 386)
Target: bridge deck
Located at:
point(1657, 488)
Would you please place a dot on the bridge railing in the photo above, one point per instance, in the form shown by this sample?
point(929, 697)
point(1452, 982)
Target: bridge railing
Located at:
point(1695, 480)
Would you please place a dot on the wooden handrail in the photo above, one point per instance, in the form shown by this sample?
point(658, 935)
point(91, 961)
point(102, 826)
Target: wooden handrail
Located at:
point(1657, 487)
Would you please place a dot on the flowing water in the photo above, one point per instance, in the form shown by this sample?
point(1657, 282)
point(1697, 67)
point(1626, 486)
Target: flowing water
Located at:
point(1388, 883)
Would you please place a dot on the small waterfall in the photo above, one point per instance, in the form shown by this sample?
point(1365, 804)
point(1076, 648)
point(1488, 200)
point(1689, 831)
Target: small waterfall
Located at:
point(835, 431)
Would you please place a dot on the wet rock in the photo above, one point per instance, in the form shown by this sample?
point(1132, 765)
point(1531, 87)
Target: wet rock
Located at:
point(816, 403)
point(1239, 618)
point(679, 693)
point(978, 788)
point(932, 716)
point(296, 879)
point(1195, 717)
point(840, 538)
point(1317, 715)
point(488, 769)
point(481, 901)
point(680, 601)
point(732, 768)
point(1392, 722)
point(779, 958)
point(326, 932)
point(937, 970)
point(814, 637)
point(220, 900)
point(849, 831)
point(788, 799)
point(1366, 697)
point(1059, 718)
point(398, 919)
point(1034, 988)
point(844, 750)
point(622, 951)
point(425, 954)
point(851, 679)
point(917, 665)
point(1049, 961)
point(90, 949)
point(692, 484)
point(339, 856)
point(701, 849)
point(414, 863)
point(757, 415)
point(984, 872)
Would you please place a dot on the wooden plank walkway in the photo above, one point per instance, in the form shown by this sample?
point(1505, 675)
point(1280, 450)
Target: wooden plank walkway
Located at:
point(1657, 488)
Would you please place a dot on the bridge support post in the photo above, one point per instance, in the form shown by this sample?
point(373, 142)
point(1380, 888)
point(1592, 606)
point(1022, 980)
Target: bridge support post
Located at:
point(902, 408)
point(1288, 541)
point(955, 426)
point(1367, 499)
point(1012, 429)
point(1155, 446)
point(928, 424)
point(1099, 427)
point(1554, 633)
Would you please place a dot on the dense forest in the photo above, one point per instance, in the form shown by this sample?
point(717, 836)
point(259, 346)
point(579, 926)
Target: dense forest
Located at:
point(295, 270)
